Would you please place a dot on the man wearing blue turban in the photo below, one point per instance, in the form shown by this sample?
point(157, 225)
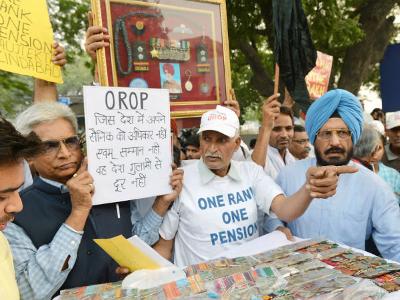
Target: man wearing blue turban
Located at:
point(363, 205)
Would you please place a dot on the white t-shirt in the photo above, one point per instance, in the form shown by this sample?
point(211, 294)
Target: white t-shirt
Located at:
point(214, 214)
point(243, 153)
point(274, 162)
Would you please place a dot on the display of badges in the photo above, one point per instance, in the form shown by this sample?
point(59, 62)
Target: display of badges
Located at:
point(202, 58)
point(138, 83)
point(140, 56)
point(170, 49)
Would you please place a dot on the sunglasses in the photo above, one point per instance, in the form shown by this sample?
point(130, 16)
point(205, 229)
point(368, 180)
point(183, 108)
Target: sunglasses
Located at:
point(53, 146)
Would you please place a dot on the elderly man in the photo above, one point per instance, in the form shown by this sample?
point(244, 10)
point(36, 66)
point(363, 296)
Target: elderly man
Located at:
point(363, 204)
point(52, 238)
point(217, 208)
point(300, 145)
point(13, 148)
point(392, 149)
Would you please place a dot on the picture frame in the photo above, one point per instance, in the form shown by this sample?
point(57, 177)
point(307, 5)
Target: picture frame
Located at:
point(181, 45)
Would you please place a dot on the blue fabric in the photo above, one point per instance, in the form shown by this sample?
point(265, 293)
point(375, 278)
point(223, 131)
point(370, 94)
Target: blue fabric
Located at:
point(345, 103)
point(36, 247)
point(363, 206)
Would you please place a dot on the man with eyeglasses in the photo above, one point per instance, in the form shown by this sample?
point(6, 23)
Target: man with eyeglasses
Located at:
point(52, 238)
point(300, 145)
point(363, 205)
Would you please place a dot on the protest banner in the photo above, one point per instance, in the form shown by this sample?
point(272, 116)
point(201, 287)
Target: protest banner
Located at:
point(26, 40)
point(317, 79)
point(128, 139)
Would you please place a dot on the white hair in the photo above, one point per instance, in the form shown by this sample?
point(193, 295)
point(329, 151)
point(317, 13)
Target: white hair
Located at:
point(44, 112)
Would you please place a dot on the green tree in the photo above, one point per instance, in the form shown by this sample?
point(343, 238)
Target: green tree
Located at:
point(69, 21)
point(354, 32)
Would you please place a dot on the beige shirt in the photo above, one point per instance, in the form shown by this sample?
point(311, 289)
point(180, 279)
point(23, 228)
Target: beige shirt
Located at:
point(8, 284)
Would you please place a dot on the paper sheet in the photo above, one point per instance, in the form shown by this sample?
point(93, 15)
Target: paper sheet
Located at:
point(133, 255)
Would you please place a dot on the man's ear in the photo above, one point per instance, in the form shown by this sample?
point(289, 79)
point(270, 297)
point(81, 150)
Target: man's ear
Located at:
point(237, 143)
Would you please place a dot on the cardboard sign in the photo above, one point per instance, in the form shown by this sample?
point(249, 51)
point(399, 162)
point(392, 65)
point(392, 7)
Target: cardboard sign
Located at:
point(318, 79)
point(26, 40)
point(128, 140)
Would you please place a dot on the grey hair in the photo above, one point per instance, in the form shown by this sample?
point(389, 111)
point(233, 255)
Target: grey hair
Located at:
point(368, 141)
point(42, 113)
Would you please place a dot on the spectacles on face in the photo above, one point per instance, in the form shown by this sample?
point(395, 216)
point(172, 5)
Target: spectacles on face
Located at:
point(53, 146)
point(301, 142)
point(326, 135)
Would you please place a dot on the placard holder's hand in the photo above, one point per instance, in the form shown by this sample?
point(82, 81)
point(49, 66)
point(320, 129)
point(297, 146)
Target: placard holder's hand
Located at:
point(97, 37)
point(232, 103)
point(270, 110)
point(162, 203)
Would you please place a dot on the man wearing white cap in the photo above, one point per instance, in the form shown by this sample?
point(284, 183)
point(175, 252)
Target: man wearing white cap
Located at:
point(217, 208)
point(392, 149)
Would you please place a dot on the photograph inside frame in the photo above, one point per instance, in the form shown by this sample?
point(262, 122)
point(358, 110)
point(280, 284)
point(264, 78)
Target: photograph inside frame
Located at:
point(178, 45)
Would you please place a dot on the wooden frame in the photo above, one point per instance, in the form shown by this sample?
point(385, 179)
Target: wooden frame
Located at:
point(181, 45)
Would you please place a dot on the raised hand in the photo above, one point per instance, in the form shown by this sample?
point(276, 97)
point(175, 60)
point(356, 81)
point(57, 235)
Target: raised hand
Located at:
point(232, 103)
point(59, 57)
point(81, 188)
point(97, 37)
point(270, 110)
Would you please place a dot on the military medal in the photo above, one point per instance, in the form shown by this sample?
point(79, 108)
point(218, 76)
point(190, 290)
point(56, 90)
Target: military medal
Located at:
point(170, 49)
point(140, 62)
point(202, 58)
point(204, 88)
point(188, 83)
point(138, 28)
point(138, 83)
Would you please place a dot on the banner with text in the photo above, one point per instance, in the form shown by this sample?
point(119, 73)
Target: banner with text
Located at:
point(128, 139)
point(317, 79)
point(26, 39)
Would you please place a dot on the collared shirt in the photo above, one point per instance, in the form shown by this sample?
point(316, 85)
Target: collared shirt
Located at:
point(39, 271)
point(63, 188)
point(273, 165)
point(213, 213)
point(390, 159)
point(8, 285)
point(243, 153)
point(391, 177)
point(363, 206)
point(274, 162)
point(145, 221)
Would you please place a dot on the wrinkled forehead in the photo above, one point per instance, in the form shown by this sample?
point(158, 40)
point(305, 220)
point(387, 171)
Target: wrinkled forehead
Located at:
point(334, 123)
point(213, 133)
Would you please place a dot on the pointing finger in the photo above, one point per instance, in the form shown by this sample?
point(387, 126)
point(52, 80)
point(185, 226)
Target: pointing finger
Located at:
point(346, 170)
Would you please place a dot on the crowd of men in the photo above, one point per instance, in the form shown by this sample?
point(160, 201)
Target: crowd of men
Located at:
point(333, 176)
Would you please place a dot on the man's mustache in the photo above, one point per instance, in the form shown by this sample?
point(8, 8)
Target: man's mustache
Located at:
point(7, 218)
point(335, 150)
point(213, 155)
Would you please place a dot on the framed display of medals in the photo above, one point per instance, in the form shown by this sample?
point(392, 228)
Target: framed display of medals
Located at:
point(179, 45)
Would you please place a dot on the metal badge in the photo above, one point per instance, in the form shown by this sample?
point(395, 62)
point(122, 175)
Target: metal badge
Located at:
point(188, 83)
point(140, 62)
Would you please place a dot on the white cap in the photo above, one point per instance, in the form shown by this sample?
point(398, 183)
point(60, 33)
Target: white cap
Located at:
point(392, 119)
point(220, 119)
point(378, 125)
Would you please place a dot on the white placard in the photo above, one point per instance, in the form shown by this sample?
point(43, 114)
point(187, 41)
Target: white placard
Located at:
point(128, 139)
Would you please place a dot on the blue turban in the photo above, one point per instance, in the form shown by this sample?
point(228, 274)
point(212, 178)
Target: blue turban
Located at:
point(344, 103)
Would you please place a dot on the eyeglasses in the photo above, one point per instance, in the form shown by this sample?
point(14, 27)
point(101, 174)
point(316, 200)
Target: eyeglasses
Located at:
point(53, 146)
point(328, 134)
point(301, 142)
